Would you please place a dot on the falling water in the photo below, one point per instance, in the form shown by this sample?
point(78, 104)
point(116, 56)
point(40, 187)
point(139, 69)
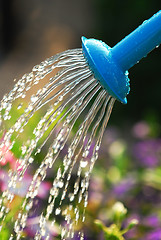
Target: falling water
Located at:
point(70, 97)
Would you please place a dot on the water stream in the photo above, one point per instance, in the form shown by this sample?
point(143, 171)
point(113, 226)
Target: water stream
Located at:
point(73, 109)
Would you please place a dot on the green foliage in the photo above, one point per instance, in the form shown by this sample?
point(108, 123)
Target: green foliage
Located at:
point(115, 231)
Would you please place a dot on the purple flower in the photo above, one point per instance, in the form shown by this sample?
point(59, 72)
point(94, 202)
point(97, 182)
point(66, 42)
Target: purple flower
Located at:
point(124, 186)
point(151, 221)
point(33, 227)
point(153, 235)
point(148, 152)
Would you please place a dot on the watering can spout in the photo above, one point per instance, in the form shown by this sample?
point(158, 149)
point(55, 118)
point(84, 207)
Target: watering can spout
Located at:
point(110, 65)
point(139, 43)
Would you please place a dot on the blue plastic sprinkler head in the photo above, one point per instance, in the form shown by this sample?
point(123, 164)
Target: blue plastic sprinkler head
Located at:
point(110, 65)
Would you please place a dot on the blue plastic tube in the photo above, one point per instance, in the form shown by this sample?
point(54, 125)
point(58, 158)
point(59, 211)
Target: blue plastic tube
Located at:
point(139, 43)
point(110, 65)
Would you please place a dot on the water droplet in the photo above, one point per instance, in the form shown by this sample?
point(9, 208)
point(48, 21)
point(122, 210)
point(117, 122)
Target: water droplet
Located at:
point(71, 197)
point(60, 184)
point(80, 197)
point(63, 232)
point(23, 95)
point(60, 98)
point(34, 98)
point(57, 211)
point(82, 235)
point(83, 163)
point(126, 73)
point(31, 159)
point(59, 173)
point(11, 237)
point(20, 106)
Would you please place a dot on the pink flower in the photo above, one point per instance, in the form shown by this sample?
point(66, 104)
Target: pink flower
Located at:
point(7, 156)
point(23, 186)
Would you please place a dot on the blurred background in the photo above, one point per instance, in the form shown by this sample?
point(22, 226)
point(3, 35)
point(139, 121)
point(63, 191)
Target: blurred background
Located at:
point(33, 30)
